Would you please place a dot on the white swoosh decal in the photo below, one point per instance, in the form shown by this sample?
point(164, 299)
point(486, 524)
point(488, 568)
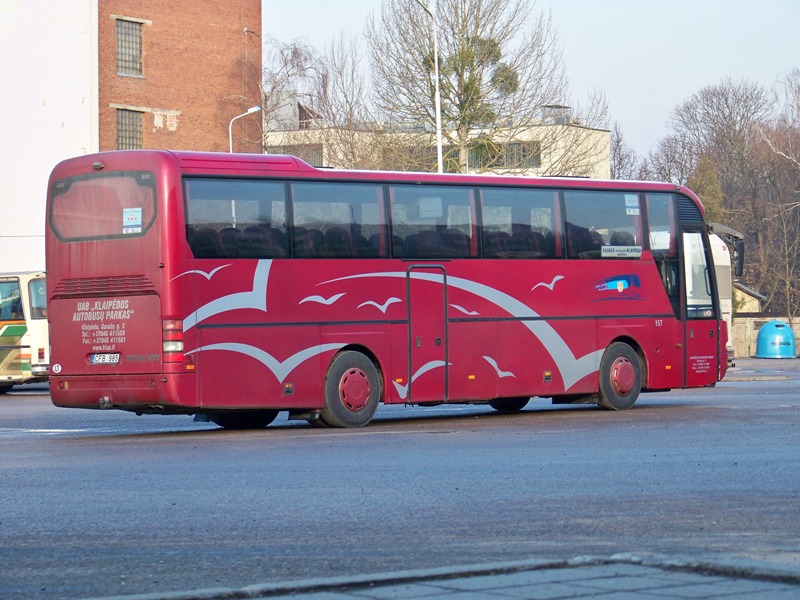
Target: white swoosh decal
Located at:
point(550, 285)
point(280, 369)
point(402, 390)
point(321, 300)
point(500, 373)
point(572, 369)
point(256, 298)
point(208, 275)
point(381, 307)
point(471, 313)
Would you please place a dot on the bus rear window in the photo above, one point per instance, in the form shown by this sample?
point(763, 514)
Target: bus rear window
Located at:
point(119, 204)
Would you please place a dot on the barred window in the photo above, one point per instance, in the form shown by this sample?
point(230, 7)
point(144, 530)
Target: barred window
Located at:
point(130, 124)
point(513, 155)
point(129, 48)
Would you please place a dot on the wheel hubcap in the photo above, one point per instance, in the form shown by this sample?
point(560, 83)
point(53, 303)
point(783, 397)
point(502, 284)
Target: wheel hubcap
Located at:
point(623, 376)
point(354, 390)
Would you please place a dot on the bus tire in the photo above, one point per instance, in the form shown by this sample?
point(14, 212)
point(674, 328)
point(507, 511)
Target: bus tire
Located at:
point(244, 419)
point(620, 377)
point(509, 405)
point(5, 388)
point(352, 390)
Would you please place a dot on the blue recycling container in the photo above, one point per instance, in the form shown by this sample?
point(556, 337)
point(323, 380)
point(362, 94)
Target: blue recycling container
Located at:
point(776, 340)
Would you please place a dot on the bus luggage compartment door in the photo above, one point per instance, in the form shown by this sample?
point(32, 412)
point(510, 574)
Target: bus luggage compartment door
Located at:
point(426, 290)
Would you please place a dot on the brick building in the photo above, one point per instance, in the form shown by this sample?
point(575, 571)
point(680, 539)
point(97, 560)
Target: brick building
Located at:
point(173, 73)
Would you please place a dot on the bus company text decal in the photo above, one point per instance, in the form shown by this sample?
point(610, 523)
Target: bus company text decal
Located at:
point(103, 322)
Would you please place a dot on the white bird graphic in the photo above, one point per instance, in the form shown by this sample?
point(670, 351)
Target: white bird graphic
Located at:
point(550, 285)
point(402, 390)
point(207, 275)
point(321, 300)
point(381, 307)
point(280, 369)
point(471, 313)
point(500, 373)
point(255, 298)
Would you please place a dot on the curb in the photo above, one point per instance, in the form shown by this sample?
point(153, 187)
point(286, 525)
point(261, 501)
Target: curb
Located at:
point(756, 378)
point(735, 569)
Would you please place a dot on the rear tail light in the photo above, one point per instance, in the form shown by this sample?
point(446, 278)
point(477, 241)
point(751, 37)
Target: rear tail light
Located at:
point(172, 340)
point(41, 355)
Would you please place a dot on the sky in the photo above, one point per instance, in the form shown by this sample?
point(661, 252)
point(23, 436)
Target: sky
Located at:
point(646, 56)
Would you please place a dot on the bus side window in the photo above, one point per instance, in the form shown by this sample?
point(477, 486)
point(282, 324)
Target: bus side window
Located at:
point(518, 223)
point(235, 218)
point(432, 221)
point(662, 236)
point(338, 219)
point(602, 224)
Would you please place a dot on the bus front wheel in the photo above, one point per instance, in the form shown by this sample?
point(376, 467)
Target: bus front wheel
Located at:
point(620, 377)
point(352, 390)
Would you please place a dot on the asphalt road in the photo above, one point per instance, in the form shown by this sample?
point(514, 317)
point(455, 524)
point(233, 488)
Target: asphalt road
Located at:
point(107, 503)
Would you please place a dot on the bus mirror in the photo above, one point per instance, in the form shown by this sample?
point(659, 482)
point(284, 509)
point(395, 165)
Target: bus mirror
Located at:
point(738, 257)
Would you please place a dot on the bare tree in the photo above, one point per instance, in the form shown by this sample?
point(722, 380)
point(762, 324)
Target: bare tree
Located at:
point(502, 80)
point(673, 159)
point(720, 122)
point(289, 78)
point(341, 98)
point(779, 152)
point(625, 163)
point(788, 122)
point(717, 144)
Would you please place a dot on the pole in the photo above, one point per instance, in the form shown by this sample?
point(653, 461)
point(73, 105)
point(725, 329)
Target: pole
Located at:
point(250, 111)
point(437, 99)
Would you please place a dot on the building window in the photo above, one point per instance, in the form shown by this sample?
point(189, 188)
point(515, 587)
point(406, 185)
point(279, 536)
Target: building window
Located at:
point(130, 125)
point(129, 48)
point(513, 155)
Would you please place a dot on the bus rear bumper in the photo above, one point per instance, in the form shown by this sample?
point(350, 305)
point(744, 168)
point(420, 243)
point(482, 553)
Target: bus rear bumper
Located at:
point(147, 393)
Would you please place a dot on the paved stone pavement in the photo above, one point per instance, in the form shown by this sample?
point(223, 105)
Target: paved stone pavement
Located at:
point(619, 577)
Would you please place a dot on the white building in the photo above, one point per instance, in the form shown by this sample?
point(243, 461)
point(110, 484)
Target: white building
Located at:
point(49, 113)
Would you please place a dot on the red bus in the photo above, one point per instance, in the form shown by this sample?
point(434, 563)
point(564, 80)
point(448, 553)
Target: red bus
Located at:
point(236, 286)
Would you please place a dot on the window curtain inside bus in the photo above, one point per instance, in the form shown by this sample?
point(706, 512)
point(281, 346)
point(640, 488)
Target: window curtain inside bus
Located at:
point(103, 206)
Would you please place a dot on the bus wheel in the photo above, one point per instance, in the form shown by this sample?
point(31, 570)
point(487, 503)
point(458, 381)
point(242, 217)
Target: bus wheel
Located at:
point(352, 391)
point(5, 388)
point(620, 377)
point(244, 419)
point(509, 405)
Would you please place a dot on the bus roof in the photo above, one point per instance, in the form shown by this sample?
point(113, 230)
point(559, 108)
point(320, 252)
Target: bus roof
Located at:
point(260, 165)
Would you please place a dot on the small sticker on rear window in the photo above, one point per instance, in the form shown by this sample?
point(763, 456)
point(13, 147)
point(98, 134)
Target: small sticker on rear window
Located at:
point(132, 220)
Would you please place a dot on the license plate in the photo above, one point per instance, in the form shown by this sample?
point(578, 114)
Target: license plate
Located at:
point(105, 359)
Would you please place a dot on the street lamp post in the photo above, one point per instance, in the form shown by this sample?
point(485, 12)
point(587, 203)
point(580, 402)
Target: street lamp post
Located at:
point(437, 99)
point(250, 111)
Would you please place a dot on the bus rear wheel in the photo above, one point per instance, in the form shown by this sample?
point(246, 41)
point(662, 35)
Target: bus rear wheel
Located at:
point(244, 419)
point(352, 390)
point(509, 405)
point(620, 377)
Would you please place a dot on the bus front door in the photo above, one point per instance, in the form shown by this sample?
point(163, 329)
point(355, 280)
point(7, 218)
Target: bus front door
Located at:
point(702, 333)
point(426, 291)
